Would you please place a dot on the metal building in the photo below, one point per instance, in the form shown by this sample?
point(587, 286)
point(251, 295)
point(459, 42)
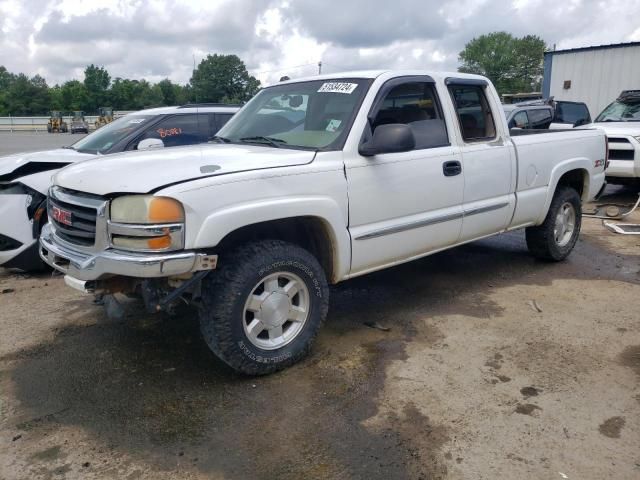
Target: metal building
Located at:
point(594, 75)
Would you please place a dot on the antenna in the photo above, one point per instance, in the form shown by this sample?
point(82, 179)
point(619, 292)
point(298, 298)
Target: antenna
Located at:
point(320, 68)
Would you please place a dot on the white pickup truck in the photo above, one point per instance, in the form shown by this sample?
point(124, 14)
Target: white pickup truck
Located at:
point(314, 182)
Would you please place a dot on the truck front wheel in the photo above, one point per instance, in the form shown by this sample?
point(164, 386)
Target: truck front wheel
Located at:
point(555, 238)
point(262, 308)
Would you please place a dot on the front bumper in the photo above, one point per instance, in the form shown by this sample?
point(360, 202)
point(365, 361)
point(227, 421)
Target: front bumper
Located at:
point(107, 263)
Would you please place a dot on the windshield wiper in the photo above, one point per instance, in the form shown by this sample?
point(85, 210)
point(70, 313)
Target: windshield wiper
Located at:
point(68, 147)
point(219, 139)
point(274, 142)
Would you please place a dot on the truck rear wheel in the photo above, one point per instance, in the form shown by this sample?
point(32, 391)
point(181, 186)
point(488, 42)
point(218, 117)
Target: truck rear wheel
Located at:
point(262, 309)
point(555, 238)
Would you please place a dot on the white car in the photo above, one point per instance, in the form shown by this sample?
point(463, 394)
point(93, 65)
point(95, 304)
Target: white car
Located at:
point(315, 181)
point(621, 122)
point(25, 178)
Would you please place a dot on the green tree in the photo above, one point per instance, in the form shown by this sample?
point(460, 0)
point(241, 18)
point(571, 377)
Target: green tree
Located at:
point(149, 95)
point(28, 96)
point(6, 79)
point(55, 93)
point(170, 92)
point(512, 64)
point(96, 81)
point(122, 94)
point(223, 78)
point(75, 96)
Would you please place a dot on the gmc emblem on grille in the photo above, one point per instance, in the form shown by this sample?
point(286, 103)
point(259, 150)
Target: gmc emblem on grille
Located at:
point(61, 216)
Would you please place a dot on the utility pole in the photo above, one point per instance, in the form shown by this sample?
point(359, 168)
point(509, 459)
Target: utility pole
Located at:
point(320, 68)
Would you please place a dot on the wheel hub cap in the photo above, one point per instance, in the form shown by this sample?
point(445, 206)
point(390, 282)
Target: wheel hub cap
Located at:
point(565, 224)
point(274, 310)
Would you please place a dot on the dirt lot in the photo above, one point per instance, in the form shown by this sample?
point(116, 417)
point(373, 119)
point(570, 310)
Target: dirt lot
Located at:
point(496, 366)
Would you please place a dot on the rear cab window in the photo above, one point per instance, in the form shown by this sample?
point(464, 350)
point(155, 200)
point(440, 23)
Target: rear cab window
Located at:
point(474, 113)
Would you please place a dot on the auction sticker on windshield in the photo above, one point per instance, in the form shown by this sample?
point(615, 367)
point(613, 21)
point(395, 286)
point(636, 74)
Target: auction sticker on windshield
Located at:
point(337, 87)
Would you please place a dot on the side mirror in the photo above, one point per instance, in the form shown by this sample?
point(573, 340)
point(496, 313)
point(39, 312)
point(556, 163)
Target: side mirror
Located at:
point(391, 138)
point(150, 144)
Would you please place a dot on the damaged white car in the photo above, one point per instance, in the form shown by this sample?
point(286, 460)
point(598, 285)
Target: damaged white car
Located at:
point(25, 178)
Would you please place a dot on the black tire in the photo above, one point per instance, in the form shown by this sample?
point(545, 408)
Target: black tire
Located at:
point(226, 290)
point(541, 240)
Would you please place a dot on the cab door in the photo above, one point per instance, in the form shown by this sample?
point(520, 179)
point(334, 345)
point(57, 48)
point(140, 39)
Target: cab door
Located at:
point(406, 204)
point(488, 160)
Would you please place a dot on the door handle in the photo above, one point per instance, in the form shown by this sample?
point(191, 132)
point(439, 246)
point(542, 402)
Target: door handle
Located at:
point(452, 168)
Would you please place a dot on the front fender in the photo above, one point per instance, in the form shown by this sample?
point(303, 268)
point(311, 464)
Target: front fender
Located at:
point(224, 221)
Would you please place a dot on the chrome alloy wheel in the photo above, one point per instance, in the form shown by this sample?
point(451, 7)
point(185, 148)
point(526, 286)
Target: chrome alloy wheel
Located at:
point(565, 224)
point(276, 310)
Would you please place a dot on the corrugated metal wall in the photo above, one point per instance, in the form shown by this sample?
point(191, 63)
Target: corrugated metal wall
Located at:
point(597, 76)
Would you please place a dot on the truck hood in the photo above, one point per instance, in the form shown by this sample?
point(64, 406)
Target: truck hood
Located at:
point(617, 128)
point(19, 165)
point(144, 172)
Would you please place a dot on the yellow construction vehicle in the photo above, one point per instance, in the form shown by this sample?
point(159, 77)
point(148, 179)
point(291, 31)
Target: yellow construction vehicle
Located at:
point(105, 116)
point(56, 123)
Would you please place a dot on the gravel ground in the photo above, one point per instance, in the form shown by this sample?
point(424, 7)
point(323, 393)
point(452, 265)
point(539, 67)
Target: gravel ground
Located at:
point(495, 366)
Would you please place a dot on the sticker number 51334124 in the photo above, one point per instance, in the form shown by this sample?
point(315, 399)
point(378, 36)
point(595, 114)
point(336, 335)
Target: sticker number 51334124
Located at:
point(337, 87)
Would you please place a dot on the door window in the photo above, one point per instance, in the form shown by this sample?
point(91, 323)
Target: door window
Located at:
point(519, 120)
point(178, 130)
point(474, 113)
point(414, 104)
point(540, 118)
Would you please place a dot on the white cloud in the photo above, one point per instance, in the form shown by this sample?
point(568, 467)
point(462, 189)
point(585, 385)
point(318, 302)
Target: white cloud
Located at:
point(156, 38)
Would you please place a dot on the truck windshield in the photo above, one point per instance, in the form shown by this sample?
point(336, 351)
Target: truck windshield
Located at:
point(104, 138)
point(619, 111)
point(307, 115)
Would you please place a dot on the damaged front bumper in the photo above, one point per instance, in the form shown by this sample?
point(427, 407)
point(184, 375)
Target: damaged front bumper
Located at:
point(90, 266)
point(18, 228)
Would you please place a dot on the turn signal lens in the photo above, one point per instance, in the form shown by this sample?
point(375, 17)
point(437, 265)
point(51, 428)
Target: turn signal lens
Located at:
point(165, 210)
point(159, 243)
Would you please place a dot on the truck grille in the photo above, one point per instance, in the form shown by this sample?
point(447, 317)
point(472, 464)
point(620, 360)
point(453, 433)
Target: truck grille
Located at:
point(621, 148)
point(74, 216)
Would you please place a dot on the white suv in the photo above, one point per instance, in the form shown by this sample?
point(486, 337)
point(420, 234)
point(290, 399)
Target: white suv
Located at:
point(621, 122)
point(25, 178)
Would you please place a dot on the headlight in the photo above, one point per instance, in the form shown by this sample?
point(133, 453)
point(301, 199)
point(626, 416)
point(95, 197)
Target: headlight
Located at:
point(146, 209)
point(146, 223)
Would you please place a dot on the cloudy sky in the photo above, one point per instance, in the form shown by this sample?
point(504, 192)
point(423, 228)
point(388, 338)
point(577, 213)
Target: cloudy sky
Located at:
point(155, 39)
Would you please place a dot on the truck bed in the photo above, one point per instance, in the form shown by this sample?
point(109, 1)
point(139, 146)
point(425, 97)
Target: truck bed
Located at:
point(541, 155)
